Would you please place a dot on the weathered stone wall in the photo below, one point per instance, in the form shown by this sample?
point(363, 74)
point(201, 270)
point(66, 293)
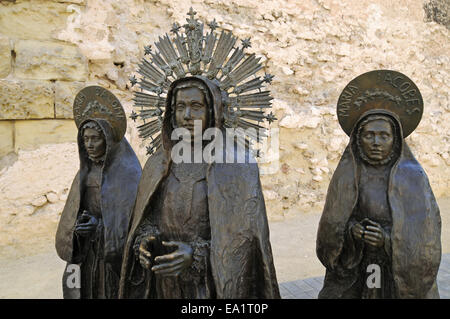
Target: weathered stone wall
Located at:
point(438, 11)
point(37, 75)
point(51, 49)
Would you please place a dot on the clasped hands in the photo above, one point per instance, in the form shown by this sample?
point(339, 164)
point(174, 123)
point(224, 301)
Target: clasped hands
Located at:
point(370, 232)
point(86, 224)
point(168, 265)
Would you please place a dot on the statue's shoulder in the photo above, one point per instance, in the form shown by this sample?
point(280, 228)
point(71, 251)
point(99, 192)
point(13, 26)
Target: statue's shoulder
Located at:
point(409, 166)
point(76, 180)
point(128, 159)
point(345, 170)
point(158, 162)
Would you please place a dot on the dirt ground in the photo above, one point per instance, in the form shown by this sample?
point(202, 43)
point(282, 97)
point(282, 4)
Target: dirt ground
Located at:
point(35, 272)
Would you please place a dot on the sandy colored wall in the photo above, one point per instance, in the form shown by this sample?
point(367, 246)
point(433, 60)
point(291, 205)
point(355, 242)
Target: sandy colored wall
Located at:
point(50, 49)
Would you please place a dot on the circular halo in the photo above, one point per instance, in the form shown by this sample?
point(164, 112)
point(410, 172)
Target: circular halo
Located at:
point(380, 89)
point(95, 102)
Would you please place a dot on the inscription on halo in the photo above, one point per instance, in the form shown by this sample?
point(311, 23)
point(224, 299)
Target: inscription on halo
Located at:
point(95, 102)
point(380, 89)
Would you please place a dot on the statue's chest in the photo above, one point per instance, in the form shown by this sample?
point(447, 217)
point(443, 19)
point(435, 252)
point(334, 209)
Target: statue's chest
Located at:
point(373, 195)
point(184, 213)
point(92, 193)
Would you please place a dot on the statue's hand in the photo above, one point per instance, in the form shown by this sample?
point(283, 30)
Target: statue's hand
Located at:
point(144, 251)
point(374, 234)
point(174, 263)
point(358, 231)
point(86, 225)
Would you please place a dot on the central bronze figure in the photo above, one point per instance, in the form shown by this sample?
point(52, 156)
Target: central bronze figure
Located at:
point(199, 229)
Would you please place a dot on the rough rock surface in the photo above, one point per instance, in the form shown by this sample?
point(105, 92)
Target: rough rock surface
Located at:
point(32, 194)
point(49, 61)
point(5, 56)
point(65, 92)
point(28, 134)
point(438, 11)
point(26, 99)
point(313, 47)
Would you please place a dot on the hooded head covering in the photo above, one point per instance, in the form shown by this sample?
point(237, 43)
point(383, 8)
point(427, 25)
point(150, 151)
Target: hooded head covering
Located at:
point(371, 116)
point(416, 223)
point(120, 167)
point(214, 98)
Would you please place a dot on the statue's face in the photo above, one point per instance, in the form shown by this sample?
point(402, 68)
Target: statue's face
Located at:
point(190, 105)
point(94, 143)
point(377, 140)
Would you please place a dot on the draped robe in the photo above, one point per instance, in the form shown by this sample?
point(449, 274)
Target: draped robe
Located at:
point(100, 254)
point(415, 236)
point(239, 258)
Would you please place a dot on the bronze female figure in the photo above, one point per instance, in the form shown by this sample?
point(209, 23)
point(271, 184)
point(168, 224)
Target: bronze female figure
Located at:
point(199, 229)
point(94, 223)
point(379, 234)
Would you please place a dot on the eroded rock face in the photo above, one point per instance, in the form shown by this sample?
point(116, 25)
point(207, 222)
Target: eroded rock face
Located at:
point(5, 56)
point(26, 99)
point(438, 11)
point(314, 48)
point(49, 61)
point(33, 191)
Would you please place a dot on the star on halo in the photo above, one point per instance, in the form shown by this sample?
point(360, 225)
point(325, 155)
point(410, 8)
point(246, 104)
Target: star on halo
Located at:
point(175, 28)
point(191, 13)
point(213, 24)
point(270, 118)
point(147, 49)
point(268, 78)
point(149, 150)
point(246, 43)
point(133, 116)
point(133, 80)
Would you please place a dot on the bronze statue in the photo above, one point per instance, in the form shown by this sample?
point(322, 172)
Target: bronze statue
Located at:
point(94, 223)
point(199, 230)
point(380, 232)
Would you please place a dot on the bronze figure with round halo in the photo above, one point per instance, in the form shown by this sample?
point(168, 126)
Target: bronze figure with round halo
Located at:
point(380, 231)
point(94, 223)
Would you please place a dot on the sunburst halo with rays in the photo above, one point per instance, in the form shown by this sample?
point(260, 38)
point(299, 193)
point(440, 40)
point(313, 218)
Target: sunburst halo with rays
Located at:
point(215, 56)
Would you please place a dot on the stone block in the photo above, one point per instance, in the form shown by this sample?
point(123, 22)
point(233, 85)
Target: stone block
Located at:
point(30, 134)
point(6, 137)
point(5, 57)
point(26, 100)
point(32, 19)
point(65, 93)
point(45, 60)
point(81, 2)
